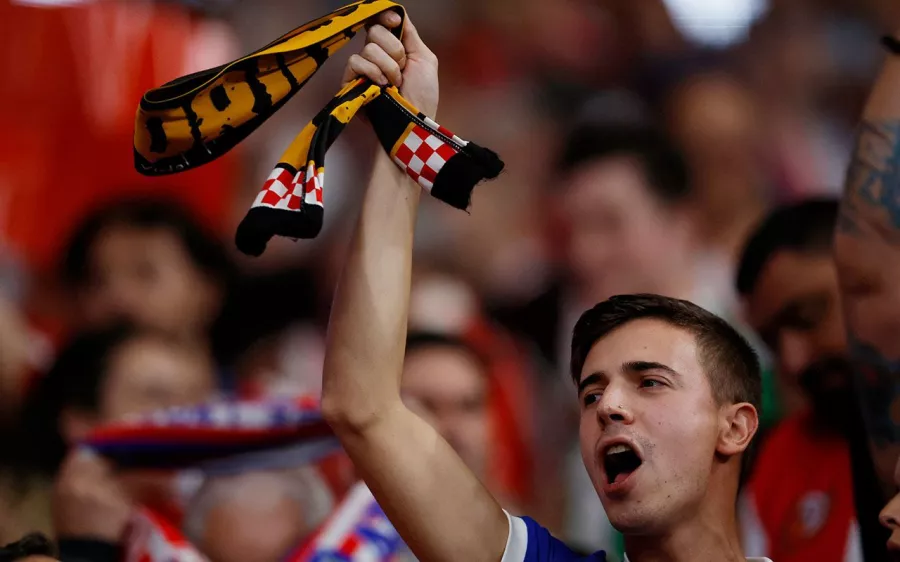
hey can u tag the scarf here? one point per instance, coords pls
(233, 437)
(197, 118)
(239, 435)
(358, 530)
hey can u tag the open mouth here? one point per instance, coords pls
(619, 461)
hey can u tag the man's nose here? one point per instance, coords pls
(890, 518)
(613, 407)
(794, 354)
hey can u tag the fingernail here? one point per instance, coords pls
(382, 80)
(394, 18)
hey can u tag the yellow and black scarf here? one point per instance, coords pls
(197, 118)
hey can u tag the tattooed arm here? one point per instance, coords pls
(867, 252)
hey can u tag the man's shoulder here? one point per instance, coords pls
(529, 542)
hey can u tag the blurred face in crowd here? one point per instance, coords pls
(146, 276)
(795, 308)
(656, 444)
(145, 374)
(621, 237)
(254, 517)
(448, 387)
(151, 374)
(714, 120)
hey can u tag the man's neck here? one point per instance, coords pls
(710, 537)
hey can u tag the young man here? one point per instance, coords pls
(668, 392)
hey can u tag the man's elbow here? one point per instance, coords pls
(348, 415)
(340, 416)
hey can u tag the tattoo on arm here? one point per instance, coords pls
(872, 189)
(870, 213)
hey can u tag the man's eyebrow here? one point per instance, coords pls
(644, 366)
(589, 380)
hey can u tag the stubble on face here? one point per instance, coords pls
(669, 414)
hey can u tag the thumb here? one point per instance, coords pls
(411, 40)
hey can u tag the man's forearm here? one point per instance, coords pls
(363, 366)
(436, 503)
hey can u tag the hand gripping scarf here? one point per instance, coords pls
(197, 118)
(234, 437)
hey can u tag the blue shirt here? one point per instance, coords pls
(529, 542)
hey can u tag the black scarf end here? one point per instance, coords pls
(262, 223)
(459, 176)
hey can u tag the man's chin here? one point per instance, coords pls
(632, 520)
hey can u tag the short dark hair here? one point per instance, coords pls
(662, 163)
(146, 213)
(33, 544)
(729, 361)
(806, 227)
(74, 381)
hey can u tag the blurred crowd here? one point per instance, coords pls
(644, 142)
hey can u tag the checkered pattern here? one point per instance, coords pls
(422, 155)
(314, 184)
(284, 191)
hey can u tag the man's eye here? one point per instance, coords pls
(650, 383)
(591, 398)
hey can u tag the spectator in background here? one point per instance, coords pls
(257, 516)
(107, 375)
(445, 381)
(471, 380)
(712, 115)
(618, 201)
(148, 262)
(99, 377)
(799, 502)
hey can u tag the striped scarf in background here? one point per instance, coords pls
(231, 438)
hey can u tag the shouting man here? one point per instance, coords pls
(668, 392)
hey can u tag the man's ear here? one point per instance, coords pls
(75, 425)
(738, 425)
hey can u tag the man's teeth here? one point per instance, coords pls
(615, 449)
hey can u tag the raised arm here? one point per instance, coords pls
(867, 251)
(439, 507)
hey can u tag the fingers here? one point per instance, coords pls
(382, 59)
(379, 35)
(385, 63)
(358, 66)
(389, 19)
(413, 44)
